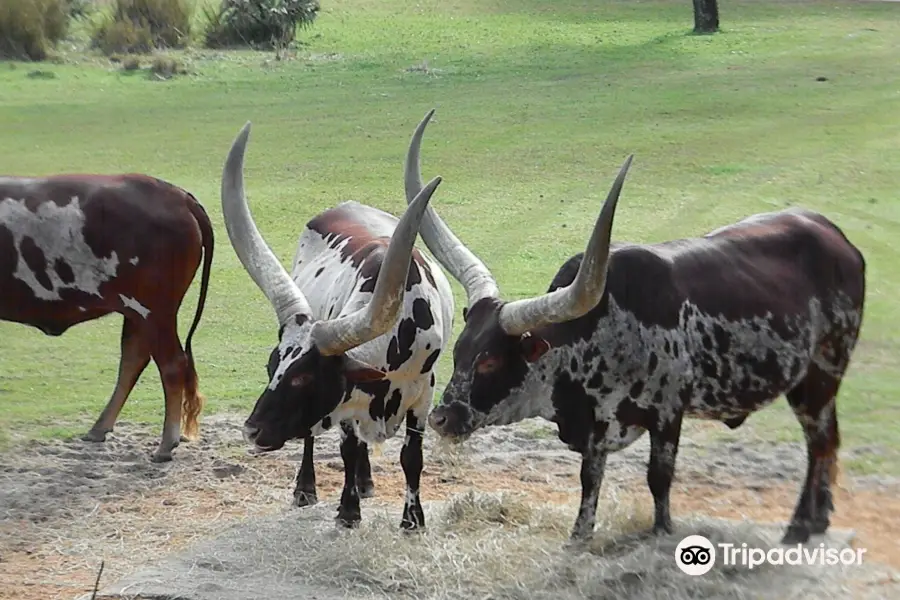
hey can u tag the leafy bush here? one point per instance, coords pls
(30, 28)
(258, 23)
(142, 25)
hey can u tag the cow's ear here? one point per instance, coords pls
(364, 375)
(357, 371)
(533, 347)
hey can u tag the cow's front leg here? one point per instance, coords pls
(364, 484)
(305, 489)
(661, 471)
(411, 460)
(348, 512)
(593, 463)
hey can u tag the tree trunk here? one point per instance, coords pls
(706, 16)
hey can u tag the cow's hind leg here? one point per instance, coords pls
(813, 401)
(661, 471)
(349, 514)
(305, 488)
(134, 359)
(173, 367)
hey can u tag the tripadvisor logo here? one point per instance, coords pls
(696, 555)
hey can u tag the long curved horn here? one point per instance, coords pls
(465, 267)
(250, 247)
(379, 315)
(585, 291)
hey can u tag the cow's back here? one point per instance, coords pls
(68, 243)
(770, 262)
(733, 318)
(339, 254)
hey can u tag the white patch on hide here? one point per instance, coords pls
(134, 260)
(134, 305)
(58, 231)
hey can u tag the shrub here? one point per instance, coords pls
(30, 28)
(132, 63)
(113, 37)
(79, 9)
(142, 25)
(258, 23)
(166, 68)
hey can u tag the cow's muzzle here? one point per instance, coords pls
(453, 421)
(252, 435)
(251, 432)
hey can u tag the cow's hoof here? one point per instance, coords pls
(660, 529)
(796, 534)
(580, 536)
(95, 435)
(408, 526)
(302, 499)
(366, 490)
(413, 519)
(161, 456)
(820, 526)
(348, 521)
(576, 545)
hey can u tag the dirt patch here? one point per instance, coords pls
(67, 505)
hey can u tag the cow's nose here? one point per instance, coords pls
(438, 419)
(250, 433)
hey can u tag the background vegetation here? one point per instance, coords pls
(30, 28)
(795, 103)
(143, 25)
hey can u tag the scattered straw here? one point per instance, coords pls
(478, 545)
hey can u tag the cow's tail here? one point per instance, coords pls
(192, 402)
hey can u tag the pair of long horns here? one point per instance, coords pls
(517, 317)
(333, 336)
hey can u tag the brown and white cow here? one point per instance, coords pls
(362, 318)
(630, 338)
(74, 248)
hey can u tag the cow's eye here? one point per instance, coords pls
(301, 380)
(488, 365)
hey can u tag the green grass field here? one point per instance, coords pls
(537, 105)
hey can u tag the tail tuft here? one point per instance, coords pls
(191, 404)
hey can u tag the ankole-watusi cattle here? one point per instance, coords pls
(362, 320)
(74, 248)
(631, 338)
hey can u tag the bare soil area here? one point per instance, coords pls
(67, 505)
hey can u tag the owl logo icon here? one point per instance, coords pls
(695, 555)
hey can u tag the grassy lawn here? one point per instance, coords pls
(794, 103)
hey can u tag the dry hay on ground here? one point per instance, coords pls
(497, 546)
(67, 505)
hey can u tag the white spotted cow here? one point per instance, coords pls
(362, 320)
(74, 248)
(631, 338)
